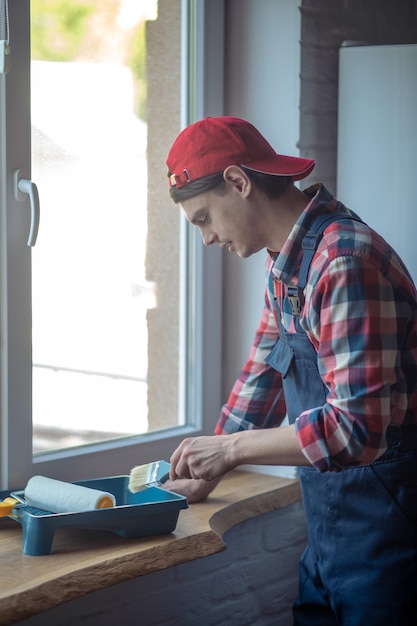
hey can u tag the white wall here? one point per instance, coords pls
(262, 84)
(377, 141)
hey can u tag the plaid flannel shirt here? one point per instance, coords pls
(360, 313)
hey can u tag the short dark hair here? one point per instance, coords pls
(201, 185)
(271, 184)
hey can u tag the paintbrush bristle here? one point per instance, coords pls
(143, 475)
(137, 478)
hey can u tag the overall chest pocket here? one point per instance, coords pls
(281, 357)
(302, 384)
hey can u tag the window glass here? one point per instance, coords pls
(97, 270)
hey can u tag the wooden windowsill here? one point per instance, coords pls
(83, 561)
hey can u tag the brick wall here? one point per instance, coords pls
(254, 581)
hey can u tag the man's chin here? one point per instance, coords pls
(244, 254)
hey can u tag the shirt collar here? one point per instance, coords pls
(287, 261)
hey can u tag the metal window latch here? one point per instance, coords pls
(22, 188)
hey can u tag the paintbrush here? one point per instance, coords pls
(149, 475)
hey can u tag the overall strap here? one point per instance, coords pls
(295, 295)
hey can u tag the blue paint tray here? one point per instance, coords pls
(152, 511)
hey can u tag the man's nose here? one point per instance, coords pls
(208, 238)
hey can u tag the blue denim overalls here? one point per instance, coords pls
(360, 564)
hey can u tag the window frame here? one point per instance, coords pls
(202, 94)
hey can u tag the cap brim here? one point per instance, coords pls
(281, 165)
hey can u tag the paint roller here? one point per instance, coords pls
(57, 496)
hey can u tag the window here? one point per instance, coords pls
(103, 354)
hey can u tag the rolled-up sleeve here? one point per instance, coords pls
(359, 319)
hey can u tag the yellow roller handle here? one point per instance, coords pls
(7, 506)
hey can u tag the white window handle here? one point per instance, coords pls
(23, 186)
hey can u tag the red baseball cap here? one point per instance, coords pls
(212, 144)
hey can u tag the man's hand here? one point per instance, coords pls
(193, 490)
(203, 457)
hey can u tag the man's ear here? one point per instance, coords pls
(237, 177)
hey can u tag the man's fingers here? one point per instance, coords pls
(178, 468)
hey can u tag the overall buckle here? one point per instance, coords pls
(295, 297)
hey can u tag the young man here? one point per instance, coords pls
(336, 350)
